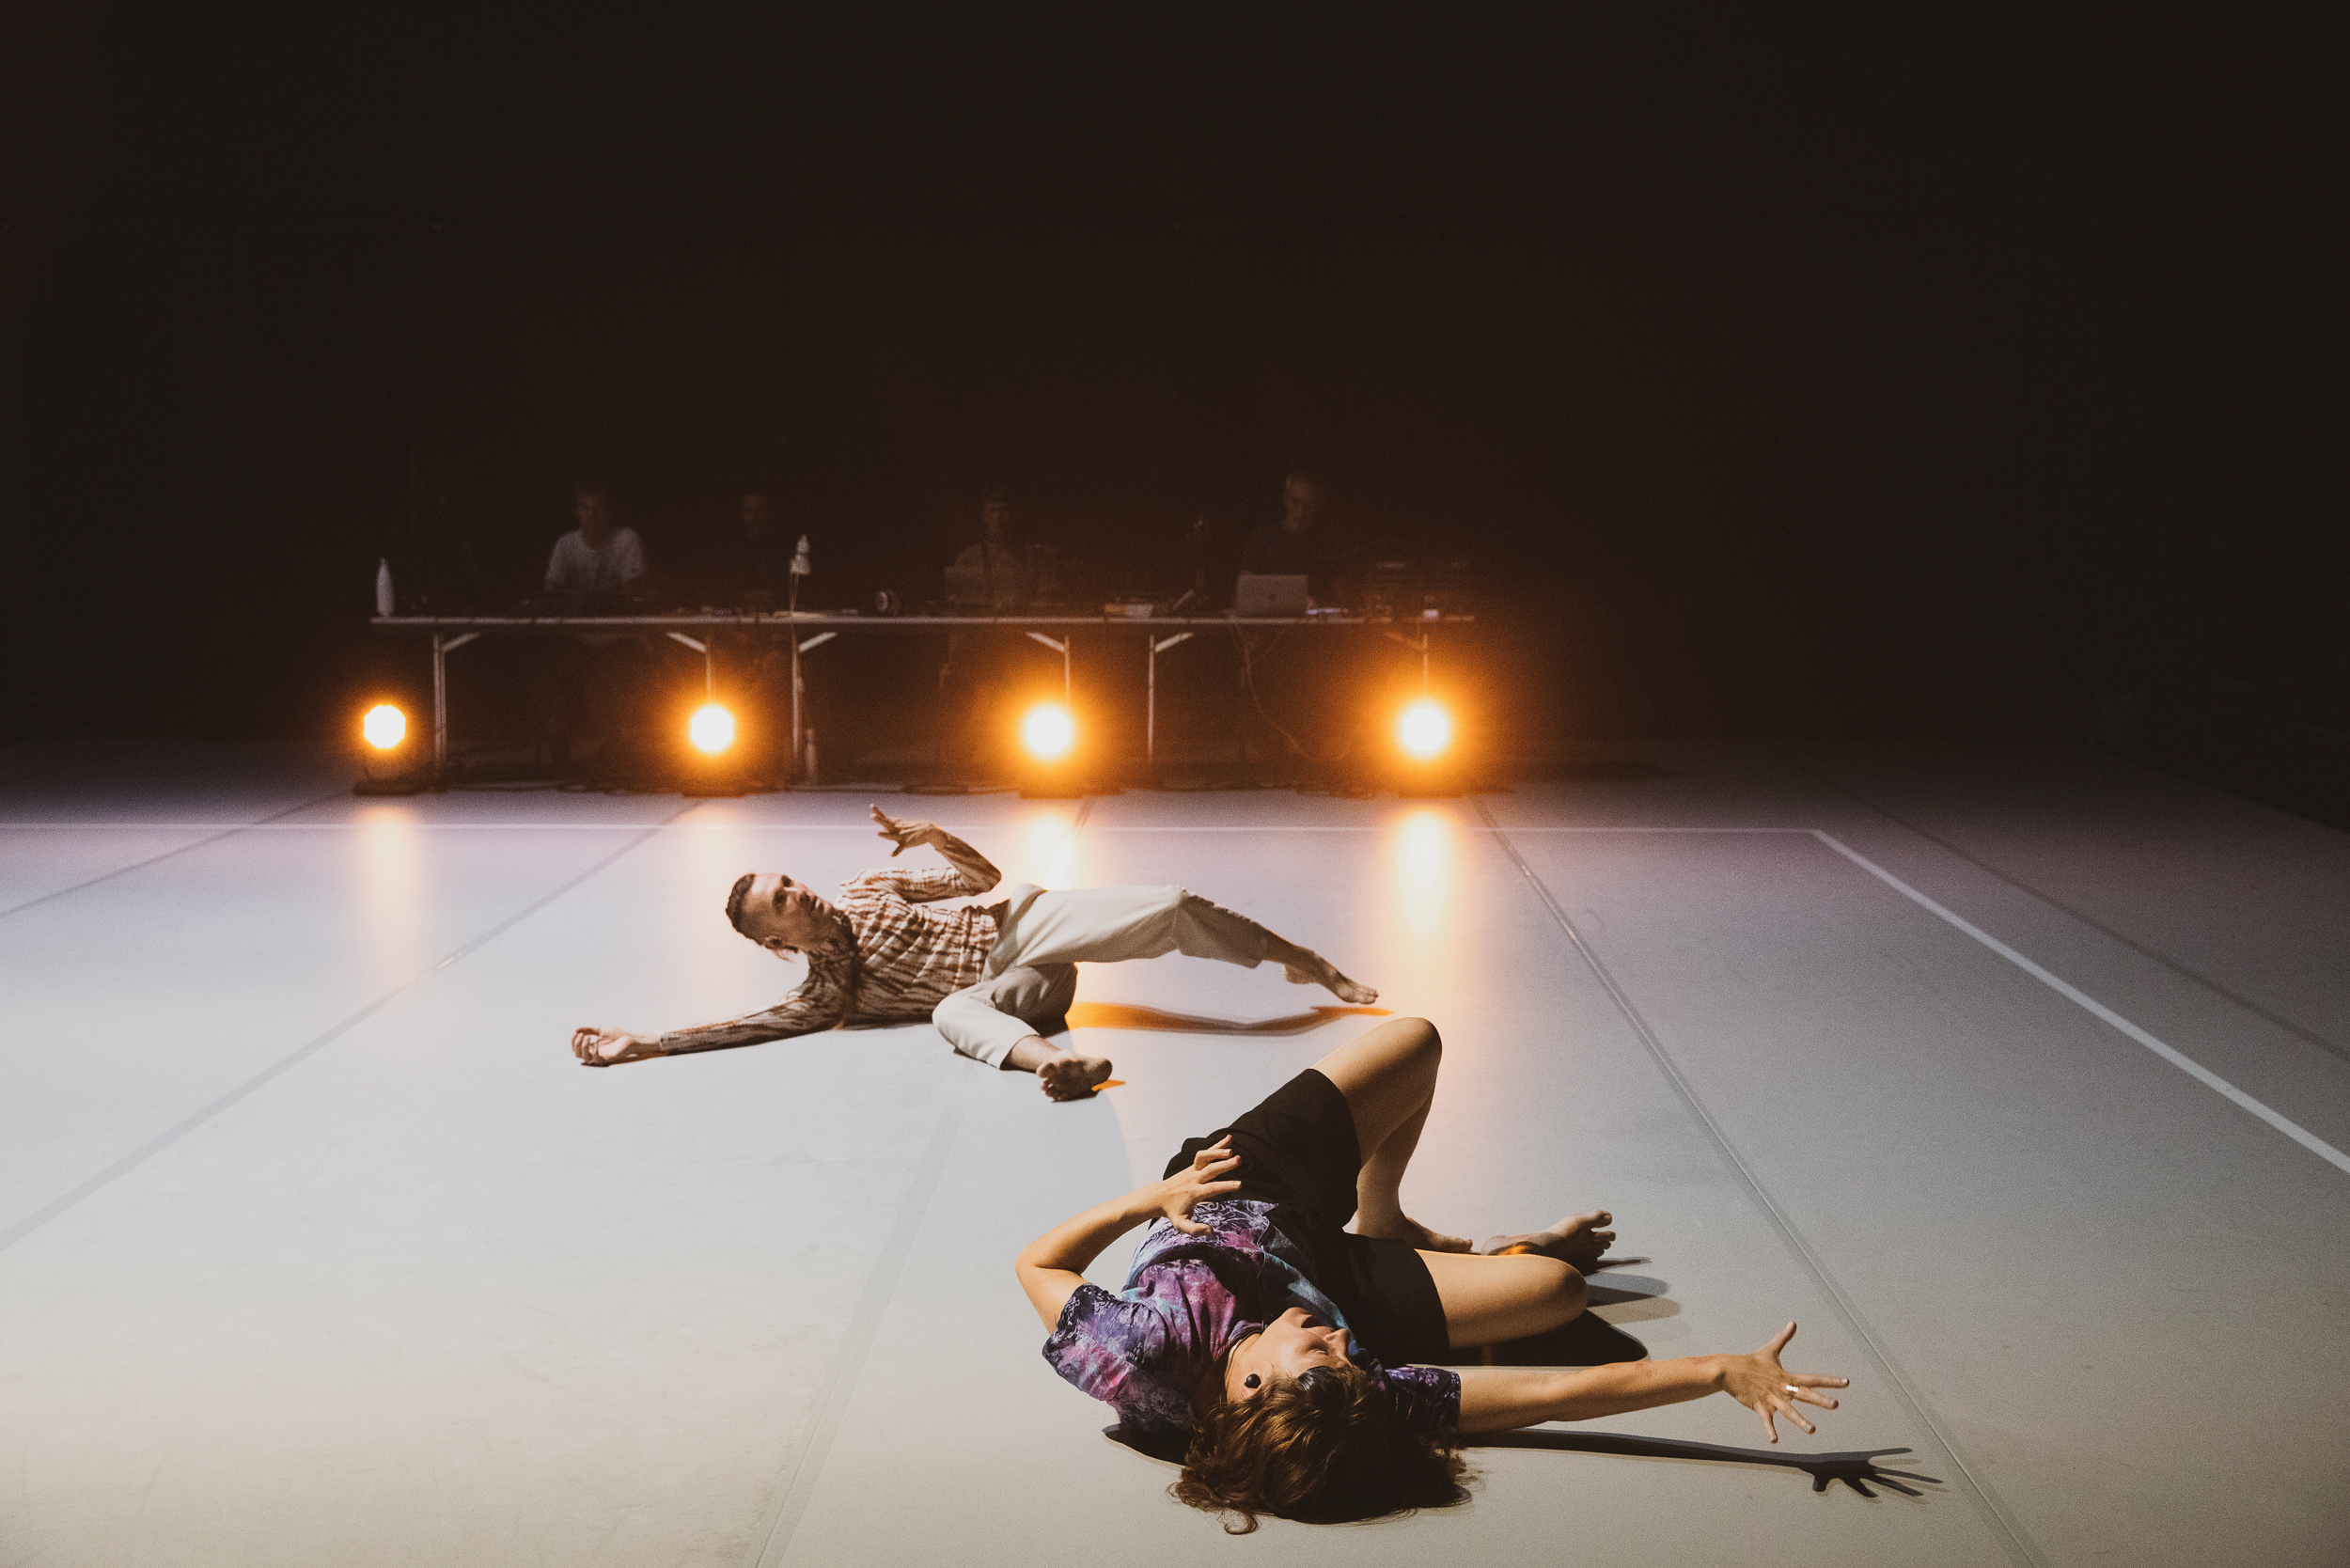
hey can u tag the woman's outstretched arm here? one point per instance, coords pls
(1052, 1266)
(1495, 1399)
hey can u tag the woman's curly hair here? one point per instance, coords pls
(1328, 1447)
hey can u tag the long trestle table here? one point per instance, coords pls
(807, 629)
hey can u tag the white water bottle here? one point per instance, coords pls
(384, 586)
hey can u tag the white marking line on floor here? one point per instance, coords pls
(2193, 1069)
(1847, 1312)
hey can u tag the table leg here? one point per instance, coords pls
(1150, 700)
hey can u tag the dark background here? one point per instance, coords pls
(1859, 374)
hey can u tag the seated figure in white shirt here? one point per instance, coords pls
(598, 556)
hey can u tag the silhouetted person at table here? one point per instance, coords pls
(987, 671)
(1292, 548)
(1301, 703)
(753, 558)
(1004, 579)
(593, 682)
(751, 569)
(599, 556)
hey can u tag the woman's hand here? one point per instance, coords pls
(1763, 1386)
(1052, 1268)
(1176, 1195)
(905, 836)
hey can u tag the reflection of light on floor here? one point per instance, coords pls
(391, 886)
(1423, 866)
(708, 857)
(1052, 844)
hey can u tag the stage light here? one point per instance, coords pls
(386, 768)
(384, 727)
(1424, 731)
(1047, 733)
(711, 729)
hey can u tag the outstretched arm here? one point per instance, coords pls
(1493, 1399)
(972, 874)
(816, 1004)
(1052, 1266)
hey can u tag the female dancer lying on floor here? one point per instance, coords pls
(1279, 1342)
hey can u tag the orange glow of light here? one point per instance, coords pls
(1424, 729)
(711, 729)
(384, 727)
(1048, 732)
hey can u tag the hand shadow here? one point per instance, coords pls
(1857, 1470)
(1129, 1015)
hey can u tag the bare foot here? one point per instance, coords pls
(1576, 1241)
(1325, 974)
(1073, 1077)
(1404, 1228)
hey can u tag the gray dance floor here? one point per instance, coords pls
(2019, 1077)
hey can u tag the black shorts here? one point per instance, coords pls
(1297, 1152)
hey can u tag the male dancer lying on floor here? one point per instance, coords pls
(993, 979)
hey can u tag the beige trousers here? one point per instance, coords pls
(1031, 975)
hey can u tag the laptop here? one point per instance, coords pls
(1263, 594)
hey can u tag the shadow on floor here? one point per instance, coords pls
(1125, 1015)
(1586, 1341)
(1857, 1470)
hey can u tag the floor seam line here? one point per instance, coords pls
(832, 1403)
(229, 832)
(2297, 1030)
(2098, 1009)
(172, 1134)
(1986, 1500)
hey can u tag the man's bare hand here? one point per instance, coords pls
(602, 1047)
(904, 834)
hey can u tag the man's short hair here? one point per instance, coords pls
(996, 496)
(591, 487)
(736, 896)
(1304, 476)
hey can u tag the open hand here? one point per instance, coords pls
(1206, 1178)
(905, 836)
(602, 1047)
(1763, 1386)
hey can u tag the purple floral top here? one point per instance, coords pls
(1189, 1299)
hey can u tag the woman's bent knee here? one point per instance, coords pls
(1560, 1295)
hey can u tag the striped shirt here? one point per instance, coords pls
(897, 961)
